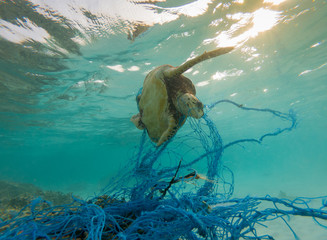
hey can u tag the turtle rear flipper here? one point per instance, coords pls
(170, 131)
(136, 119)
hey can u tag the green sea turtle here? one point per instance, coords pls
(168, 98)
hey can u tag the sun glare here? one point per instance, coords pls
(259, 21)
(274, 2)
(263, 20)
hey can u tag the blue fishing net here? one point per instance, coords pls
(180, 190)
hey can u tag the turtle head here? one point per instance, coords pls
(190, 106)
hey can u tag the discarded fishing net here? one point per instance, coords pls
(162, 195)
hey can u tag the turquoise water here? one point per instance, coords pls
(70, 73)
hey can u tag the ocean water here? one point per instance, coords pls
(70, 71)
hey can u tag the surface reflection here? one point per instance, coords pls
(245, 26)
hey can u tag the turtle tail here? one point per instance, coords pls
(187, 65)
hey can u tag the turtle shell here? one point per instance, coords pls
(158, 99)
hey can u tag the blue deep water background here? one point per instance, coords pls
(69, 76)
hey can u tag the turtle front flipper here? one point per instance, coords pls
(172, 72)
(170, 131)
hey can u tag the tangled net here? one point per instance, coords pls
(162, 195)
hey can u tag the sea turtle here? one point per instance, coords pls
(168, 98)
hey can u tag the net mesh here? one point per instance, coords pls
(180, 190)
